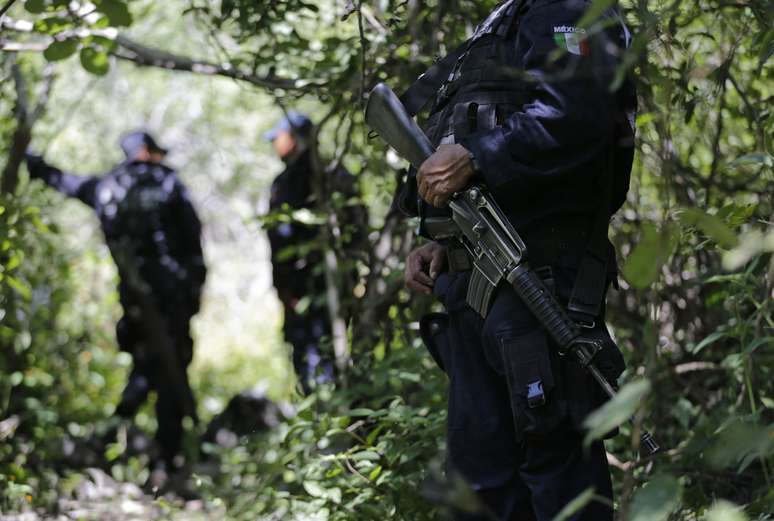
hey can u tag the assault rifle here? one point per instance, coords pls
(498, 253)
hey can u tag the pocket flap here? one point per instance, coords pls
(527, 358)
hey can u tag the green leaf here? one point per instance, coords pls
(375, 473)
(61, 49)
(373, 434)
(654, 249)
(767, 48)
(52, 25)
(711, 226)
(574, 506)
(361, 412)
(725, 511)
(367, 455)
(21, 288)
(114, 450)
(334, 494)
(757, 158)
(751, 244)
(755, 344)
(616, 411)
(656, 500)
(94, 61)
(714, 337)
(117, 12)
(594, 12)
(35, 6)
(740, 444)
(314, 489)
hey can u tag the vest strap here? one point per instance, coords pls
(588, 292)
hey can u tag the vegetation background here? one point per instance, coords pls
(693, 317)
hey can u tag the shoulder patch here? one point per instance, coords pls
(572, 39)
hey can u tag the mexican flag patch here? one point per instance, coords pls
(572, 39)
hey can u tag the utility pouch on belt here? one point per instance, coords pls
(531, 382)
(432, 329)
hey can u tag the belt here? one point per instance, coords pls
(545, 243)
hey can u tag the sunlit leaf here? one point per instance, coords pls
(52, 24)
(314, 489)
(22, 288)
(375, 473)
(752, 243)
(711, 226)
(758, 158)
(651, 252)
(367, 455)
(94, 61)
(725, 511)
(616, 411)
(361, 412)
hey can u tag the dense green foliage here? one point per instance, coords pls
(694, 316)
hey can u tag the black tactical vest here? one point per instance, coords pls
(477, 87)
(134, 204)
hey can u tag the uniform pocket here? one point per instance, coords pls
(529, 371)
(433, 328)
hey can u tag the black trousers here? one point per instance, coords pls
(305, 332)
(525, 462)
(148, 372)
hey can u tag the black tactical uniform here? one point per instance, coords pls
(298, 271)
(153, 234)
(529, 96)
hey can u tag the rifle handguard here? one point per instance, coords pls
(543, 305)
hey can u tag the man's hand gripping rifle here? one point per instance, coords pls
(497, 251)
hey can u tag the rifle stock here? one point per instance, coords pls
(386, 114)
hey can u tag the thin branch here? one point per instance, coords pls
(143, 55)
(22, 47)
(148, 56)
(21, 136)
(6, 7)
(363, 50)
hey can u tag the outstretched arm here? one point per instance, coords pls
(190, 229)
(82, 187)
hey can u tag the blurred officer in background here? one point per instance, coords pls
(153, 233)
(297, 248)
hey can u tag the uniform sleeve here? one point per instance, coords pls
(282, 235)
(568, 118)
(190, 229)
(80, 187)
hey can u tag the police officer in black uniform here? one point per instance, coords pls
(153, 233)
(296, 247)
(526, 108)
